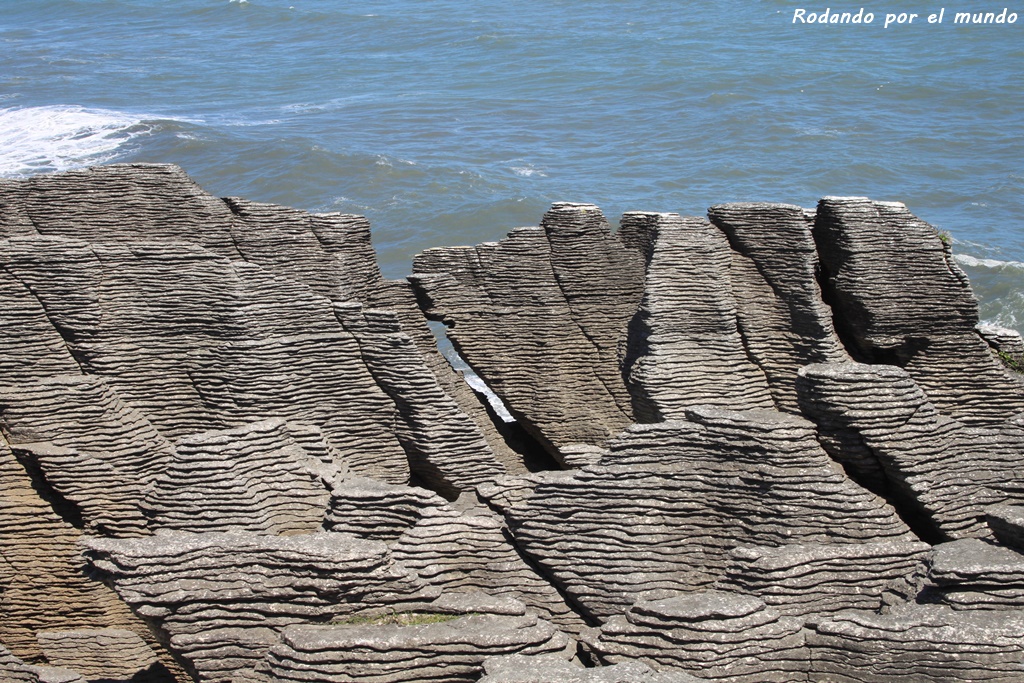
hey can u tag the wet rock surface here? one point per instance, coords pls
(231, 452)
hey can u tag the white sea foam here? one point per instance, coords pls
(994, 264)
(528, 171)
(62, 137)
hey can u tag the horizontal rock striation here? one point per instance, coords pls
(822, 578)
(783, 320)
(255, 478)
(117, 203)
(281, 478)
(973, 574)
(555, 669)
(221, 599)
(902, 300)
(919, 643)
(469, 551)
(685, 346)
(42, 583)
(711, 634)
(1007, 523)
(30, 346)
(452, 651)
(877, 421)
(14, 670)
(102, 655)
(444, 446)
(532, 318)
(241, 272)
(375, 510)
(668, 503)
(96, 452)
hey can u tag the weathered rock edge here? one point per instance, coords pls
(240, 413)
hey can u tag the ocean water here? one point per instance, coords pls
(450, 123)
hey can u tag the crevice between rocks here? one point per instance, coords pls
(61, 332)
(535, 457)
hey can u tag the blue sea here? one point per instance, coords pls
(452, 122)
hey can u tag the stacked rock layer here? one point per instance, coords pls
(230, 451)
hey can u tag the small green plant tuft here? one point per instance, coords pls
(397, 619)
(1015, 363)
(946, 238)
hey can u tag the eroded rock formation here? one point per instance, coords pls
(231, 452)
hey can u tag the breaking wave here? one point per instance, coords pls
(63, 137)
(999, 286)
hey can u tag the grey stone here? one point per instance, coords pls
(879, 423)
(539, 316)
(710, 634)
(685, 346)
(221, 599)
(902, 300)
(1007, 523)
(453, 651)
(555, 669)
(919, 643)
(669, 502)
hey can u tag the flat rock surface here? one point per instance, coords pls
(711, 634)
(222, 598)
(920, 642)
(452, 650)
(555, 669)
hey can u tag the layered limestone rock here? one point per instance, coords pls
(303, 395)
(14, 670)
(878, 422)
(30, 346)
(452, 651)
(784, 322)
(900, 299)
(1007, 523)
(102, 654)
(668, 503)
(129, 264)
(255, 478)
(973, 574)
(445, 447)
(711, 634)
(42, 584)
(97, 453)
(539, 316)
(820, 578)
(221, 599)
(555, 669)
(468, 551)
(685, 346)
(117, 203)
(372, 509)
(918, 643)
(1005, 342)
(198, 342)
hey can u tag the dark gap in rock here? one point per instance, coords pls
(232, 205)
(417, 481)
(580, 611)
(906, 508)
(64, 508)
(839, 323)
(535, 457)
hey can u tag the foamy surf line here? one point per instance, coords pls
(994, 264)
(64, 137)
